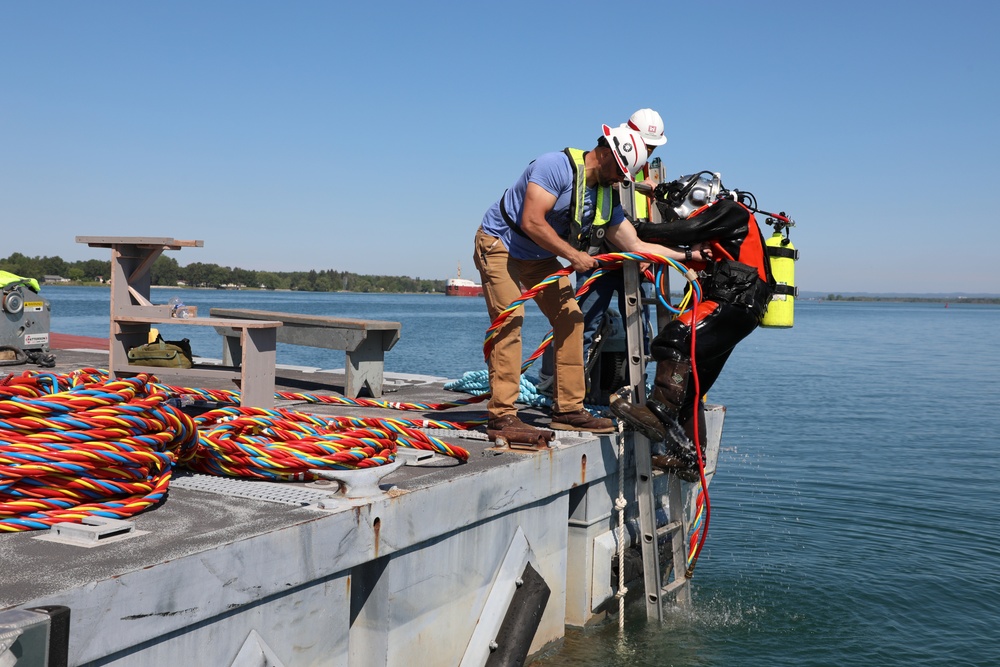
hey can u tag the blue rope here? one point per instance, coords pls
(477, 383)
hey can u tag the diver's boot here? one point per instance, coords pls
(676, 466)
(681, 457)
(660, 412)
(688, 444)
(638, 417)
(669, 392)
(670, 386)
(673, 457)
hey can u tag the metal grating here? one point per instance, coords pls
(448, 433)
(285, 494)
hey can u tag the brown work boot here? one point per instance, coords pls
(581, 420)
(670, 386)
(497, 424)
(508, 430)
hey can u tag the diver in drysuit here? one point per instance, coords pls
(736, 288)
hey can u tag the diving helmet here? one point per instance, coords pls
(679, 198)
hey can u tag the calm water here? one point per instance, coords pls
(440, 336)
(854, 516)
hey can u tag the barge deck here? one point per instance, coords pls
(423, 570)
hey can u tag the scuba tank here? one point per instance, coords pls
(681, 198)
(780, 313)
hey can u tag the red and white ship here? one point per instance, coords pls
(461, 287)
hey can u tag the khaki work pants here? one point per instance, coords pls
(502, 276)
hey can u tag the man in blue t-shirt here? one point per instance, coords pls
(519, 243)
(595, 303)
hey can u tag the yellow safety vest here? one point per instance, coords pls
(8, 278)
(592, 241)
(641, 201)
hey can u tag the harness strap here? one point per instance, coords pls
(603, 206)
(509, 220)
(787, 290)
(778, 251)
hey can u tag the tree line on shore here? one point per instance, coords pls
(166, 271)
(915, 299)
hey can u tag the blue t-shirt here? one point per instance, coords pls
(554, 173)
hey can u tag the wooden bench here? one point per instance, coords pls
(364, 341)
(255, 370)
(132, 313)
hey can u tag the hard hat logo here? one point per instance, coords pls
(625, 147)
(653, 134)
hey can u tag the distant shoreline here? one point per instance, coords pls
(909, 299)
(223, 289)
(831, 297)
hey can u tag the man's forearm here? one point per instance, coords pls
(546, 238)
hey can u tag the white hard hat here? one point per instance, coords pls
(648, 123)
(628, 148)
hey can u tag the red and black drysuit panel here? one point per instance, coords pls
(736, 287)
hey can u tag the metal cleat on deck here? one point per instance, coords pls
(360, 483)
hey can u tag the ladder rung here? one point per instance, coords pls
(668, 528)
(674, 585)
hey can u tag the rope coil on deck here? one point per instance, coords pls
(79, 445)
(284, 445)
(69, 450)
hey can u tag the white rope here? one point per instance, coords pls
(620, 505)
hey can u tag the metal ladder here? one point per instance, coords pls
(675, 528)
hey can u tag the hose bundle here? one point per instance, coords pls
(104, 449)
(283, 445)
(79, 445)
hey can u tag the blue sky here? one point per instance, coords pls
(371, 137)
